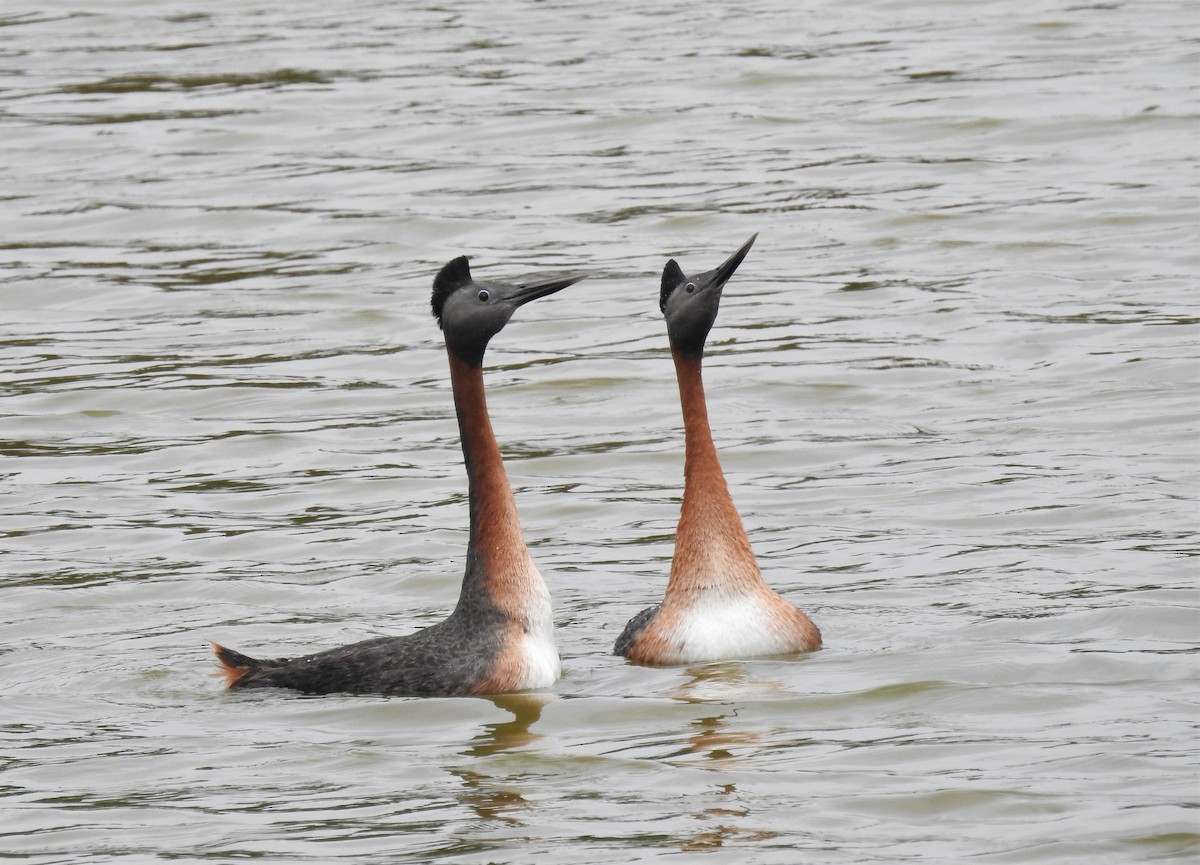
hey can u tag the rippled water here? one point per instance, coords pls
(955, 386)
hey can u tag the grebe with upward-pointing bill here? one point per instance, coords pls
(500, 636)
(717, 605)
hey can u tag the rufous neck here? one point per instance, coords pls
(710, 542)
(496, 540)
(701, 468)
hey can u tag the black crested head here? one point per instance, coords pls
(690, 304)
(470, 313)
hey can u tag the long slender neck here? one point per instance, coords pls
(711, 547)
(496, 553)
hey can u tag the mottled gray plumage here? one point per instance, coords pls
(634, 628)
(442, 659)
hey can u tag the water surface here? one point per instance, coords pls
(954, 386)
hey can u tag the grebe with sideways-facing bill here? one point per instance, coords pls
(500, 636)
(717, 605)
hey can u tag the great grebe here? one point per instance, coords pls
(500, 636)
(717, 604)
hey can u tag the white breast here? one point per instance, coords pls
(538, 651)
(542, 666)
(742, 626)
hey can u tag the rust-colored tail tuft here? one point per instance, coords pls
(234, 665)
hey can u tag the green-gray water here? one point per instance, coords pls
(954, 386)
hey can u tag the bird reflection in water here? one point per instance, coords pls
(725, 682)
(505, 735)
(492, 797)
(711, 736)
(722, 749)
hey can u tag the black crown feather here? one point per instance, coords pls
(450, 279)
(672, 276)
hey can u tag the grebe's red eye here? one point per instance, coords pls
(690, 287)
(483, 294)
